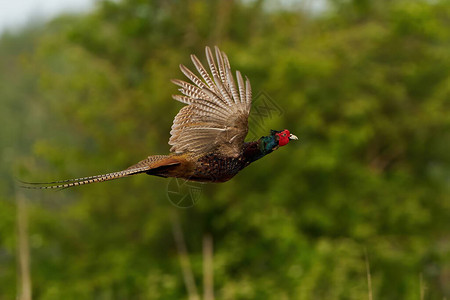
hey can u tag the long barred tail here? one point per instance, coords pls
(62, 184)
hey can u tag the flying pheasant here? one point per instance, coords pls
(207, 135)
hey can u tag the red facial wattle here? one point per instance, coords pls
(283, 137)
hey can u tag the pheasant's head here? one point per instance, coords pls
(283, 137)
(276, 139)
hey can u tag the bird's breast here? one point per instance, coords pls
(217, 168)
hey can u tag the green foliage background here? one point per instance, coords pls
(364, 84)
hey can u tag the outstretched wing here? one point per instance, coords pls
(216, 118)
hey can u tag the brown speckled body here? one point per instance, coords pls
(217, 168)
(210, 167)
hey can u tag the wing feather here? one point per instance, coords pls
(211, 63)
(230, 80)
(241, 87)
(202, 71)
(248, 93)
(189, 74)
(216, 115)
(220, 64)
(209, 107)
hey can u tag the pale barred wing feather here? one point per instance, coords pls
(216, 117)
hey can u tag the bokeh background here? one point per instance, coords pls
(358, 208)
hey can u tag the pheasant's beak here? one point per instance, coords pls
(293, 137)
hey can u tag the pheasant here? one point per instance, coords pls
(207, 135)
